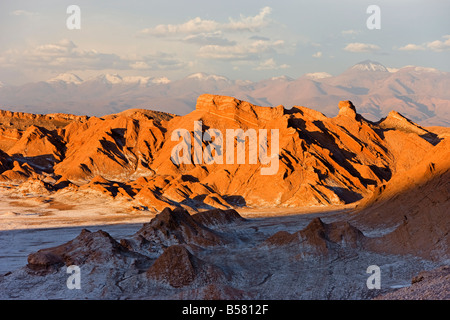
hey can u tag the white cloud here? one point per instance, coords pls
(65, 55)
(411, 47)
(64, 46)
(198, 25)
(256, 37)
(216, 38)
(226, 40)
(318, 54)
(350, 32)
(23, 13)
(140, 65)
(436, 45)
(240, 51)
(270, 64)
(361, 47)
(439, 45)
(251, 24)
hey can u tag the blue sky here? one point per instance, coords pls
(244, 39)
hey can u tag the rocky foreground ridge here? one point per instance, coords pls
(217, 254)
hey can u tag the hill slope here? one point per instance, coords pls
(318, 160)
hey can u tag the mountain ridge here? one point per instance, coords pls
(321, 160)
(417, 92)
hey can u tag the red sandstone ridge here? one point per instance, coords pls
(346, 108)
(415, 203)
(321, 160)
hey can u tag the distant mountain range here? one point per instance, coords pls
(421, 94)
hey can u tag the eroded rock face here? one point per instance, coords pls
(415, 204)
(237, 109)
(218, 217)
(344, 234)
(89, 247)
(179, 267)
(347, 108)
(22, 120)
(172, 264)
(176, 227)
(319, 238)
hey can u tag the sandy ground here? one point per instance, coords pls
(267, 273)
(69, 209)
(31, 221)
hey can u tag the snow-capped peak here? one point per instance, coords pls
(204, 76)
(110, 78)
(283, 78)
(369, 65)
(198, 75)
(127, 80)
(160, 80)
(67, 78)
(392, 70)
(240, 82)
(143, 81)
(135, 79)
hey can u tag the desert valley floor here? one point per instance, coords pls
(245, 266)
